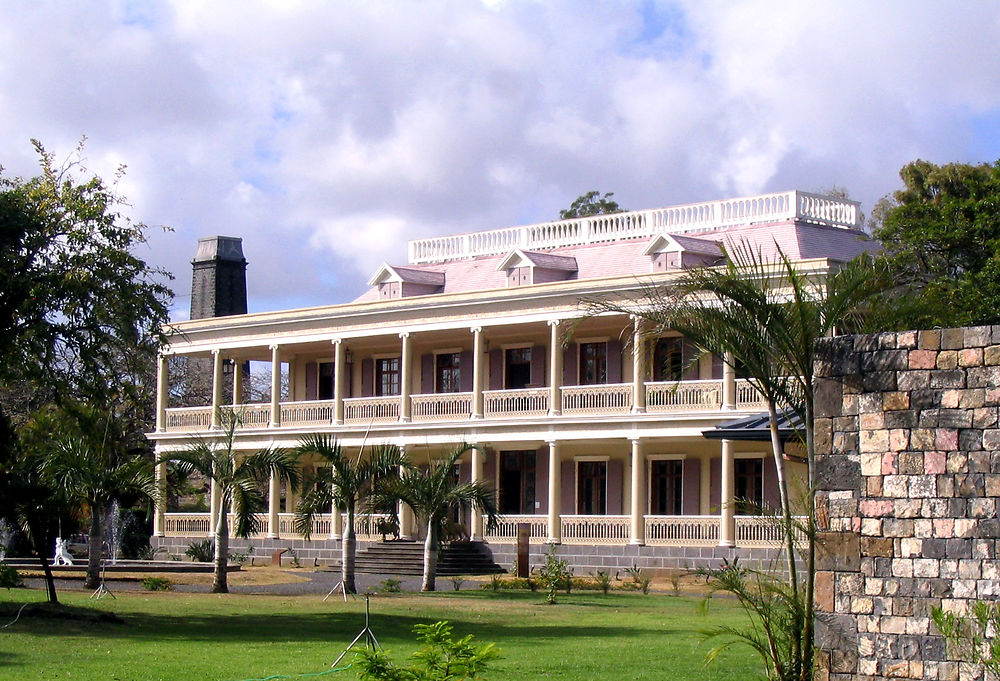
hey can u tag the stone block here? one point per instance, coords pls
(934, 462)
(983, 377)
(874, 440)
(970, 439)
(925, 398)
(922, 439)
(970, 357)
(957, 462)
(828, 395)
(929, 340)
(954, 418)
(892, 527)
(905, 418)
(946, 439)
(952, 339)
(922, 359)
(871, 421)
(947, 359)
(907, 508)
(985, 417)
(948, 378)
(976, 336)
(906, 339)
(838, 473)
(911, 463)
(979, 462)
(824, 591)
(991, 355)
(882, 360)
(839, 551)
(876, 546)
(881, 381)
(922, 486)
(895, 486)
(933, 548)
(972, 398)
(925, 567)
(913, 380)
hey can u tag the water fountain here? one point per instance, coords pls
(113, 531)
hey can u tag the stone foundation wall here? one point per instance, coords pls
(583, 559)
(908, 472)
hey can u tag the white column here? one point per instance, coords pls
(476, 532)
(214, 504)
(638, 369)
(217, 388)
(275, 386)
(339, 356)
(555, 494)
(555, 369)
(638, 534)
(727, 524)
(162, 392)
(477, 373)
(159, 511)
(728, 383)
(273, 501)
(237, 383)
(405, 373)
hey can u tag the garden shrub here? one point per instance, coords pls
(442, 658)
(201, 551)
(157, 584)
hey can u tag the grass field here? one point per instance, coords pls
(174, 636)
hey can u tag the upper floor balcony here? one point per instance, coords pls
(660, 397)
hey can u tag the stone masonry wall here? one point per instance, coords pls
(908, 472)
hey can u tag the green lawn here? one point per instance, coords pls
(230, 638)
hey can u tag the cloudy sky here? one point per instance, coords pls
(327, 134)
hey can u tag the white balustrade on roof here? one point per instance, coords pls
(685, 219)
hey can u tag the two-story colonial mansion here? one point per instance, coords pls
(590, 434)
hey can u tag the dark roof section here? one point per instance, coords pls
(756, 428)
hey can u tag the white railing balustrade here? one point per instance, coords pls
(306, 413)
(747, 397)
(683, 396)
(366, 525)
(189, 418)
(595, 529)
(615, 398)
(754, 530)
(371, 409)
(441, 406)
(682, 530)
(689, 218)
(186, 524)
(506, 529)
(512, 403)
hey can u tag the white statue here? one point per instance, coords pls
(62, 555)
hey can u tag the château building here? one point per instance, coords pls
(591, 435)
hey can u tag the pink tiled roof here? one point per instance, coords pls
(798, 241)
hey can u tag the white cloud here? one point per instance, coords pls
(327, 135)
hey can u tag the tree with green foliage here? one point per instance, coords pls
(240, 480)
(591, 203)
(941, 232)
(433, 492)
(765, 317)
(343, 484)
(80, 320)
(92, 472)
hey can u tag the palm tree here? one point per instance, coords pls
(239, 481)
(766, 317)
(432, 493)
(343, 483)
(95, 476)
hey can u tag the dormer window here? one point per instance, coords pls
(403, 282)
(530, 267)
(674, 251)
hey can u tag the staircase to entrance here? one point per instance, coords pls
(407, 558)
